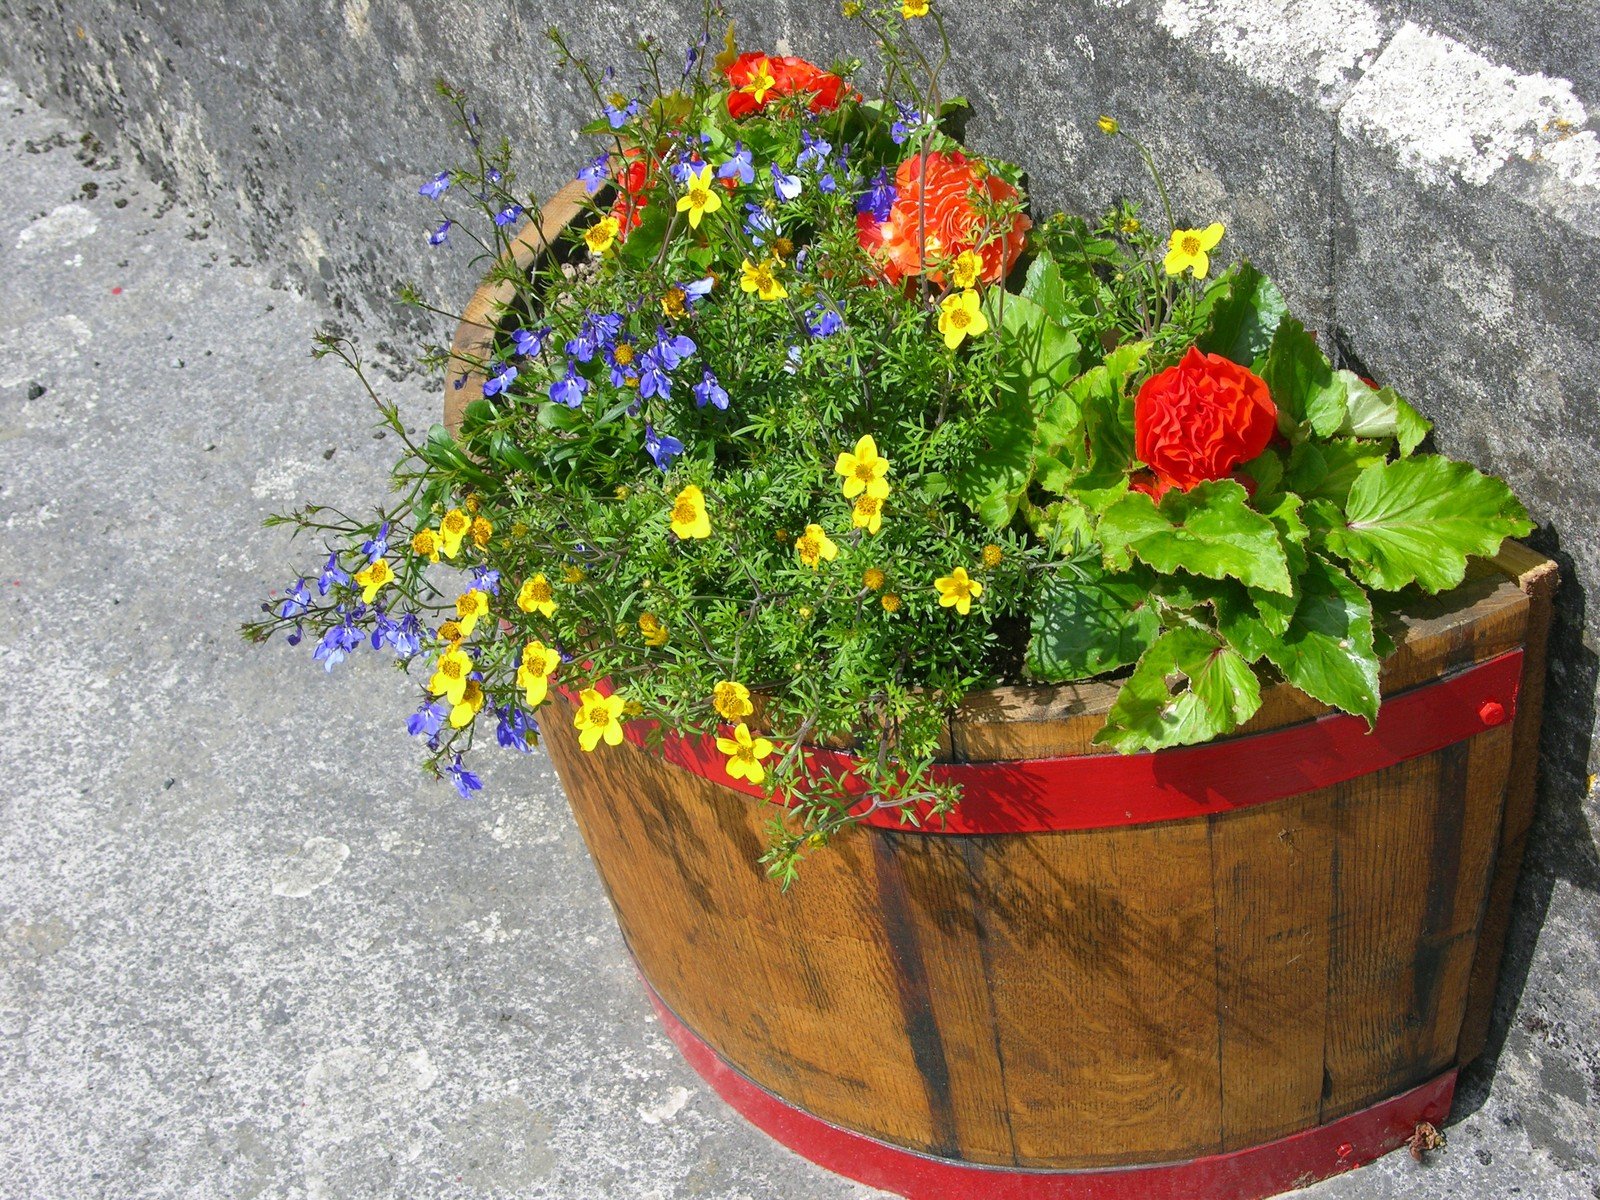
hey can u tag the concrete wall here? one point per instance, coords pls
(1422, 177)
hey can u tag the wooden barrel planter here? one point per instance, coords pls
(1210, 973)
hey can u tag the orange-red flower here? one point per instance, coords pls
(935, 218)
(755, 80)
(1199, 420)
(633, 185)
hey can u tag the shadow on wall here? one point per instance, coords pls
(1561, 846)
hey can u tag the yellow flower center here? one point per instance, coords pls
(454, 522)
(864, 471)
(599, 716)
(890, 602)
(992, 554)
(539, 591)
(762, 278)
(450, 668)
(868, 506)
(1190, 244)
(960, 317)
(673, 302)
(683, 513)
(623, 353)
(874, 578)
(699, 197)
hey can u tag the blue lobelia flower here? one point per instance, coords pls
(516, 730)
(466, 782)
(662, 447)
(673, 348)
(759, 224)
(620, 358)
(508, 214)
(823, 320)
(694, 292)
(787, 186)
(813, 150)
(441, 235)
(909, 123)
(494, 175)
(338, 642)
(296, 599)
(376, 547)
(502, 379)
(740, 166)
(569, 390)
(828, 184)
(597, 331)
(618, 117)
(653, 378)
(594, 174)
(332, 573)
(530, 341)
(792, 366)
(435, 187)
(428, 720)
(879, 197)
(403, 636)
(486, 579)
(709, 391)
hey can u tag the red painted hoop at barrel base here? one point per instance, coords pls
(1250, 1174)
(1103, 791)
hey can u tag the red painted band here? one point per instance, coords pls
(1106, 790)
(1249, 1174)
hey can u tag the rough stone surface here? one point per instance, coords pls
(244, 949)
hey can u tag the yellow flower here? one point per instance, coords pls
(960, 317)
(1108, 126)
(967, 268)
(1129, 226)
(874, 579)
(761, 81)
(539, 662)
(674, 302)
(452, 529)
(537, 596)
(597, 718)
(468, 707)
(745, 754)
(814, 546)
(910, 9)
(471, 605)
(890, 602)
(700, 196)
(865, 470)
(471, 503)
(868, 513)
(373, 577)
(732, 700)
(957, 591)
(602, 235)
(425, 544)
(481, 531)
(850, 9)
(654, 629)
(761, 280)
(1190, 250)
(689, 518)
(992, 555)
(571, 574)
(450, 675)
(450, 632)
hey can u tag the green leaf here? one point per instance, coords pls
(1380, 413)
(1325, 470)
(1189, 687)
(993, 480)
(1327, 650)
(1045, 287)
(1042, 353)
(1101, 447)
(1246, 309)
(1419, 519)
(1086, 627)
(1210, 531)
(1302, 382)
